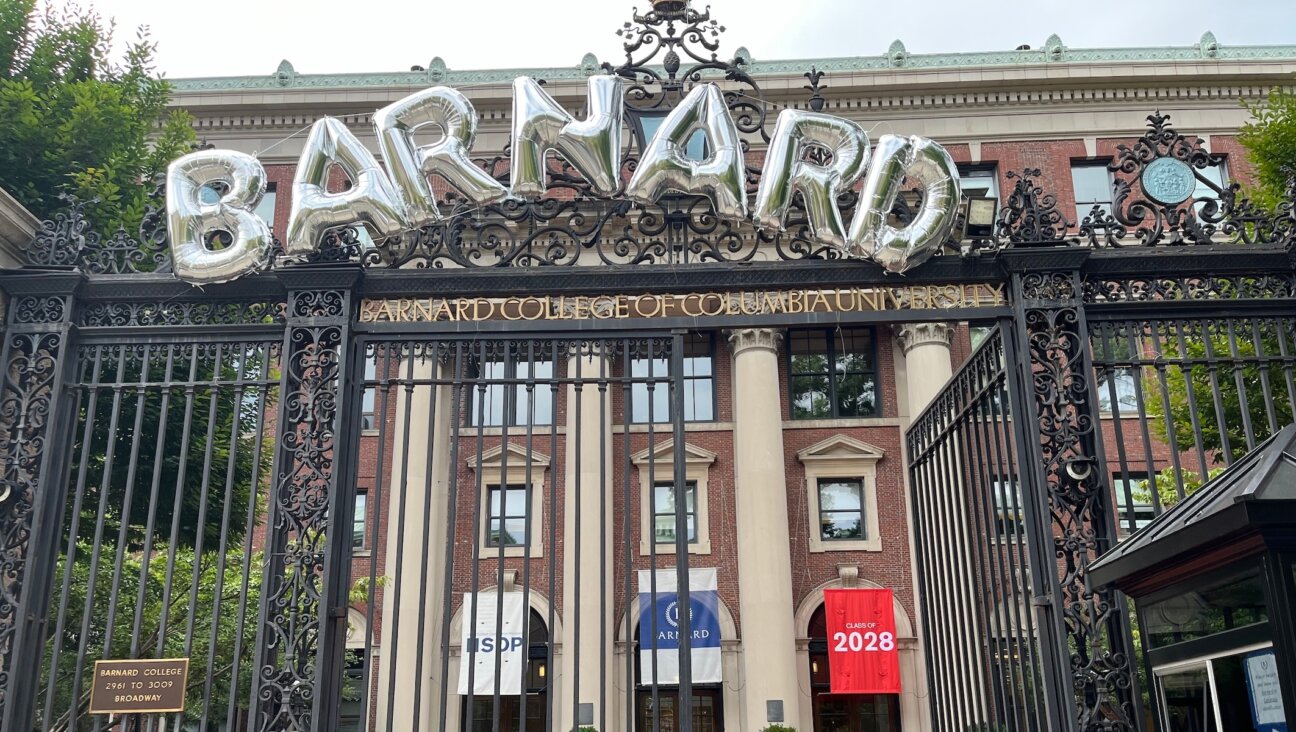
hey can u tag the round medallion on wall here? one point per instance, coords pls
(1168, 181)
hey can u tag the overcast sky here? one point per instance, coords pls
(240, 37)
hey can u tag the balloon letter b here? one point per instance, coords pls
(932, 170)
(664, 166)
(190, 221)
(787, 171)
(593, 147)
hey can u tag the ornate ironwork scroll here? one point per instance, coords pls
(1030, 216)
(299, 624)
(34, 355)
(1063, 403)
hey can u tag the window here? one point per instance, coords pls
(508, 512)
(368, 412)
(979, 181)
(1110, 350)
(1134, 508)
(1009, 508)
(841, 503)
(698, 384)
(265, 209)
(833, 373)
(492, 402)
(360, 523)
(697, 144)
(664, 511)
(1093, 187)
(1218, 175)
(657, 498)
(841, 509)
(708, 701)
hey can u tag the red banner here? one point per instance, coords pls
(862, 653)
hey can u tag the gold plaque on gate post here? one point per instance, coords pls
(139, 687)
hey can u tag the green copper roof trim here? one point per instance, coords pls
(286, 77)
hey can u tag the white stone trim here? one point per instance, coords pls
(17, 229)
(840, 456)
(491, 473)
(697, 468)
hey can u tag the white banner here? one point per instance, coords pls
(496, 638)
(662, 618)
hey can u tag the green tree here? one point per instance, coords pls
(77, 121)
(1253, 362)
(1270, 140)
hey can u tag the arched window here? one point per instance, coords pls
(536, 682)
(844, 712)
(708, 703)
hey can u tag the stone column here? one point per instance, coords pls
(926, 348)
(426, 447)
(587, 600)
(764, 559)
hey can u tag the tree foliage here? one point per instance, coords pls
(77, 121)
(1270, 140)
(1246, 372)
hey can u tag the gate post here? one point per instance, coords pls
(1062, 434)
(302, 620)
(35, 429)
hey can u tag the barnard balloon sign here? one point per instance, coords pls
(400, 198)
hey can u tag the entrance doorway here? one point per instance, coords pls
(708, 704)
(536, 680)
(844, 712)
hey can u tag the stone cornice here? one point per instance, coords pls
(1052, 54)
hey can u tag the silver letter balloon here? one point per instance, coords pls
(787, 171)
(191, 222)
(665, 167)
(593, 147)
(450, 111)
(930, 168)
(370, 200)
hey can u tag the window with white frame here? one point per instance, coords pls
(841, 509)
(658, 500)
(507, 523)
(1134, 508)
(1009, 508)
(665, 506)
(841, 495)
(1092, 182)
(506, 509)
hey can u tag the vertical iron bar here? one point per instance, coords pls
(457, 397)
(685, 717)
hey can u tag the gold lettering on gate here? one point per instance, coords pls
(691, 305)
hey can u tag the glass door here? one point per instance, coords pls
(1187, 704)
